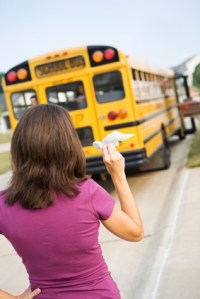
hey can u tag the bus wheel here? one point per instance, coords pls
(161, 159)
(165, 152)
(181, 133)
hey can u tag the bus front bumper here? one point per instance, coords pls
(133, 159)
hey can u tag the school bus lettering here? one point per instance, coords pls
(77, 62)
(60, 66)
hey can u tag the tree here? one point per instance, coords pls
(1, 75)
(196, 76)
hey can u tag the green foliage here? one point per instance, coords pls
(1, 75)
(5, 162)
(5, 137)
(194, 153)
(196, 76)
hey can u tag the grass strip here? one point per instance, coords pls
(194, 152)
(5, 137)
(5, 162)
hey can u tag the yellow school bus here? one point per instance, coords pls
(103, 90)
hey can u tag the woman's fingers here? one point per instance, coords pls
(111, 151)
(105, 151)
(113, 160)
(34, 293)
(108, 153)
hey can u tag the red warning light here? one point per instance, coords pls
(109, 54)
(112, 115)
(11, 76)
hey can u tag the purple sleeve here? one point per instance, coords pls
(102, 202)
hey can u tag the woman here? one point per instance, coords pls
(52, 209)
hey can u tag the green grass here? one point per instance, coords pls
(5, 137)
(5, 162)
(194, 153)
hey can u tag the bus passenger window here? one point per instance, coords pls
(21, 101)
(53, 97)
(108, 87)
(70, 96)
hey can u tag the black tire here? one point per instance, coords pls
(165, 151)
(161, 159)
(181, 134)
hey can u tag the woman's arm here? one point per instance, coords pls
(28, 294)
(126, 222)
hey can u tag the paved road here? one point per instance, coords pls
(166, 264)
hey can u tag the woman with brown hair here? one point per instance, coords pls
(52, 210)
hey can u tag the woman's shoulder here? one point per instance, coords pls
(89, 185)
(83, 185)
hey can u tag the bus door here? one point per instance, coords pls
(187, 107)
(114, 104)
(74, 95)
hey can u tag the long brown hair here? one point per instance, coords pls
(47, 157)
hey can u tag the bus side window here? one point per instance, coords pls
(136, 84)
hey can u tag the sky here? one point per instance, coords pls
(164, 33)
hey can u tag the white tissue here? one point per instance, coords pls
(112, 138)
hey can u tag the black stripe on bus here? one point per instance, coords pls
(150, 100)
(172, 121)
(138, 122)
(152, 136)
(158, 131)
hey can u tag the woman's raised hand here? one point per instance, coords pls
(113, 160)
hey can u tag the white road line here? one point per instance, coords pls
(171, 235)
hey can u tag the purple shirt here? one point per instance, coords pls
(59, 244)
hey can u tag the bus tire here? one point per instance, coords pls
(165, 151)
(161, 159)
(181, 134)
